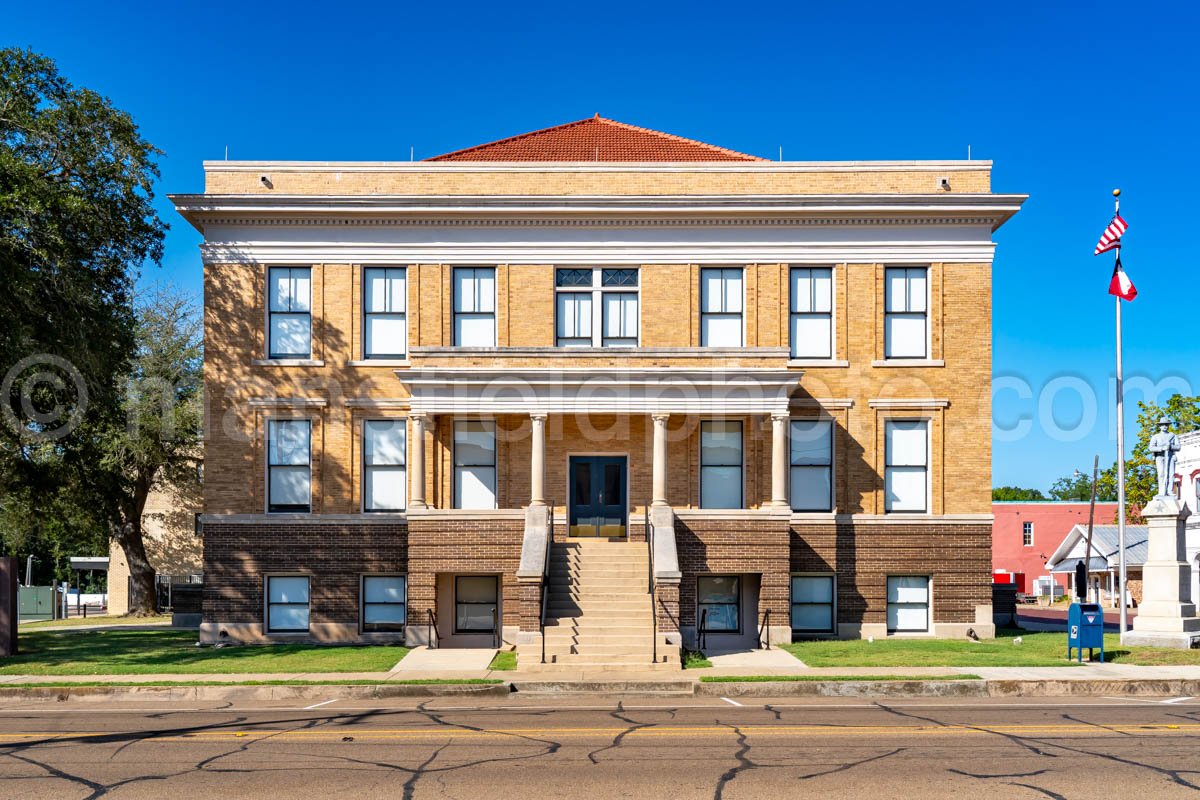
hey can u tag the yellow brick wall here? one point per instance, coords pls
(960, 316)
(431, 179)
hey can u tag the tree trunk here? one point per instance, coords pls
(143, 600)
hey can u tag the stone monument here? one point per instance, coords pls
(1167, 615)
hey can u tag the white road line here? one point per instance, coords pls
(732, 702)
(318, 705)
(1176, 700)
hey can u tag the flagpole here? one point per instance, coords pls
(1122, 593)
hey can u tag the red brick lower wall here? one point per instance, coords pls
(441, 545)
(238, 557)
(958, 557)
(734, 546)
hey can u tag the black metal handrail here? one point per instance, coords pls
(653, 599)
(495, 631)
(546, 581)
(433, 637)
(766, 626)
(703, 629)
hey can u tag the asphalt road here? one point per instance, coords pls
(627, 747)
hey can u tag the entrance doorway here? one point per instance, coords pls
(598, 496)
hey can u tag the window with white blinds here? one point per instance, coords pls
(289, 465)
(385, 317)
(721, 464)
(474, 464)
(908, 603)
(596, 307)
(474, 307)
(384, 456)
(811, 312)
(906, 312)
(906, 475)
(811, 456)
(289, 312)
(721, 303)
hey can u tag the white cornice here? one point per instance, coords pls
(907, 404)
(594, 166)
(288, 402)
(714, 353)
(587, 390)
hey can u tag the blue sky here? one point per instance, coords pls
(1068, 99)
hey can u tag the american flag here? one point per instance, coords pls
(1112, 235)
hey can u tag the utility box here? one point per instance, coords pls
(1085, 628)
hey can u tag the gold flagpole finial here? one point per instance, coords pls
(1116, 192)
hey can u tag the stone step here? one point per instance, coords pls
(618, 573)
(598, 593)
(633, 625)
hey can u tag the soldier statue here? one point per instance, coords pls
(1163, 446)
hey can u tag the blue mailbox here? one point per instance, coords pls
(1085, 628)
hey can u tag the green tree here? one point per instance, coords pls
(76, 224)
(1010, 494)
(158, 444)
(1141, 477)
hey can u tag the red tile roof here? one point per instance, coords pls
(595, 139)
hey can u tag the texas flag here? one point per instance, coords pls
(1120, 285)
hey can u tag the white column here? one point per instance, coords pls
(659, 468)
(416, 470)
(779, 460)
(537, 461)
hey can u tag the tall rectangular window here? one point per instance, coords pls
(289, 465)
(812, 604)
(385, 317)
(289, 312)
(721, 464)
(721, 307)
(474, 307)
(474, 464)
(908, 603)
(811, 317)
(476, 603)
(906, 478)
(812, 464)
(287, 604)
(1027, 534)
(718, 603)
(596, 307)
(384, 603)
(384, 476)
(906, 312)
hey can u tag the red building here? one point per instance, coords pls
(1024, 535)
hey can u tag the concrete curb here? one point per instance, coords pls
(664, 687)
(242, 694)
(966, 688)
(1135, 687)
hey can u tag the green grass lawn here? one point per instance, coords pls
(504, 660)
(1035, 650)
(116, 652)
(75, 622)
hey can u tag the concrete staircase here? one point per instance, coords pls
(599, 607)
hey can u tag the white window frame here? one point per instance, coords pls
(456, 467)
(272, 312)
(290, 509)
(267, 604)
(456, 315)
(737, 604)
(499, 623)
(401, 467)
(832, 454)
(928, 603)
(741, 314)
(1027, 534)
(793, 314)
(389, 312)
(741, 467)
(596, 292)
(833, 598)
(889, 313)
(366, 627)
(889, 467)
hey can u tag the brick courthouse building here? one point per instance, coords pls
(601, 382)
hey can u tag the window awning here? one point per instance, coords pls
(712, 391)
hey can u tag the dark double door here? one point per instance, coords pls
(598, 496)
